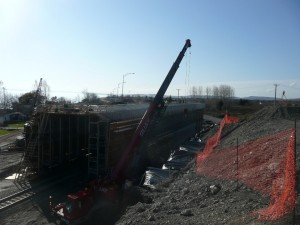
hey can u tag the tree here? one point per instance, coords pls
(194, 91)
(45, 90)
(215, 92)
(2, 95)
(90, 98)
(60, 100)
(200, 90)
(226, 94)
(169, 99)
(27, 98)
(208, 91)
(44, 94)
(243, 102)
(220, 104)
(6, 99)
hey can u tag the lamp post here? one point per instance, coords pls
(124, 75)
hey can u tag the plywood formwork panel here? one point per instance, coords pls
(120, 134)
(66, 135)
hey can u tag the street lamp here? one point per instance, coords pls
(124, 75)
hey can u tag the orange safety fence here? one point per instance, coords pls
(266, 165)
(283, 193)
(214, 140)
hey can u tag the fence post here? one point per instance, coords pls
(296, 181)
(237, 163)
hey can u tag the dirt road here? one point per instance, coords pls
(9, 138)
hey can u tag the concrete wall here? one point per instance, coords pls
(66, 137)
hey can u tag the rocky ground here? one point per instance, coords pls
(189, 198)
(186, 198)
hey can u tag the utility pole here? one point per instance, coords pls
(178, 93)
(276, 85)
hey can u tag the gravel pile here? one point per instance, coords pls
(265, 122)
(189, 198)
(193, 199)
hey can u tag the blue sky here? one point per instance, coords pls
(89, 45)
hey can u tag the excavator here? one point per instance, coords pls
(78, 205)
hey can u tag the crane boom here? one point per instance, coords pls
(148, 116)
(108, 186)
(37, 93)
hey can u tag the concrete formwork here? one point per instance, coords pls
(96, 137)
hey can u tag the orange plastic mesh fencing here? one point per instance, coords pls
(214, 140)
(266, 165)
(283, 193)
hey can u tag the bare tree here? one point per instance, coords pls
(194, 91)
(223, 89)
(90, 97)
(200, 91)
(222, 93)
(5, 98)
(216, 92)
(44, 95)
(10, 100)
(208, 91)
(1, 94)
(226, 92)
(45, 90)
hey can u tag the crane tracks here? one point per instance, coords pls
(29, 192)
(16, 198)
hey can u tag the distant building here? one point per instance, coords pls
(11, 118)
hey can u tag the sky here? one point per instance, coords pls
(90, 45)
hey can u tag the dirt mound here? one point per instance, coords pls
(190, 198)
(193, 199)
(265, 122)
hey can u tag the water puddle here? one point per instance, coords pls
(12, 177)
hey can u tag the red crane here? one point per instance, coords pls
(148, 116)
(80, 204)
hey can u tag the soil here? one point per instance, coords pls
(185, 198)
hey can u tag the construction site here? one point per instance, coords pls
(211, 189)
(153, 163)
(97, 135)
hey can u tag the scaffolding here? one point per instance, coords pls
(94, 138)
(97, 156)
(31, 156)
